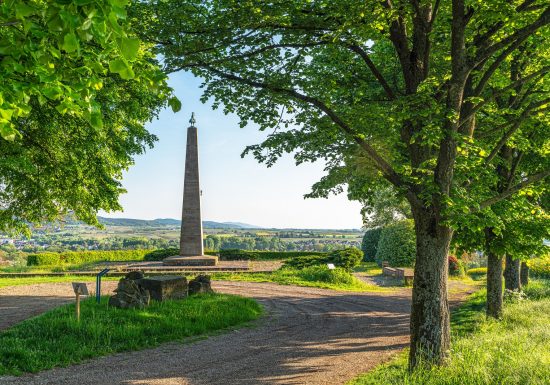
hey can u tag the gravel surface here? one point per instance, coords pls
(308, 336)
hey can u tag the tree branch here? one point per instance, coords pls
(512, 190)
(380, 163)
(377, 74)
(514, 128)
(520, 34)
(496, 93)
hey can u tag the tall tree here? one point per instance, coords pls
(402, 82)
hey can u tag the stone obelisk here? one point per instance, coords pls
(191, 244)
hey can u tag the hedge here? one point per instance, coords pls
(397, 244)
(370, 243)
(346, 258)
(78, 257)
(476, 271)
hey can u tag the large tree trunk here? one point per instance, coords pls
(430, 327)
(511, 274)
(494, 285)
(524, 274)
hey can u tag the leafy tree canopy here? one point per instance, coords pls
(77, 88)
(59, 51)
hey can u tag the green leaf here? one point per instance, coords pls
(121, 67)
(22, 10)
(174, 103)
(7, 131)
(70, 42)
(96, 121)
(129, 47)
(52, 92)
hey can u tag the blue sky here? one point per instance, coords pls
(234, 189)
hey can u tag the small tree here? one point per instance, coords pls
(397, 244)
(369, 245)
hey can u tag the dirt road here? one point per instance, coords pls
(309, 336)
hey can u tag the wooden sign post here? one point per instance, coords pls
(79, 289)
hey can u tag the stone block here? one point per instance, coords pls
(201, 284)
(165, 287)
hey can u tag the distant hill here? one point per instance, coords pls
(171, 222)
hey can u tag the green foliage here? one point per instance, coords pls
(56, 339)
(540, 267)
(59, 52)
(79, 257)
(477, 272)
(237, 254)
(512, 351)
(456, 268)
(397, 244)
(346, 258)
(370, 243)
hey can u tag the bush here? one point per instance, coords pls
(237, 254)
(539, 267)
(306, 261)
(397, 244)
(455, 267)
(346, 258)
(370, 244)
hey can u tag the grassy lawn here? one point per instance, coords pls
(315, 276)
(369, 268)
(56, 339)
(513, 351)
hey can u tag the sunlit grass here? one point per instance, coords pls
(55, 338)
(513, 351)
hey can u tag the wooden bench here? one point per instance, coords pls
(406, 274)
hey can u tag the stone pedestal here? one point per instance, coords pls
(165, 287)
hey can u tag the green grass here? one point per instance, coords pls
(314, 276)
(513, 351)
(369, 268)
(55, 338)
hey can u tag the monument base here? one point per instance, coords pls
(199, 260)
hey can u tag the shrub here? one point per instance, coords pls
(455, 267)
(370, 243)
(397, 244)
(305, 261)
(160, 254)
(539, 267)
(346, 258)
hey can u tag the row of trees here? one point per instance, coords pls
(442, 103)
(439, 105)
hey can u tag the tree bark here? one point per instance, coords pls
(524, 274)
(512, 274)
(494, 285)
(430, 327)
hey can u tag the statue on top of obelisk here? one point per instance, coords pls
(191, 243)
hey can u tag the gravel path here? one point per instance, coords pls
(309, 336)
